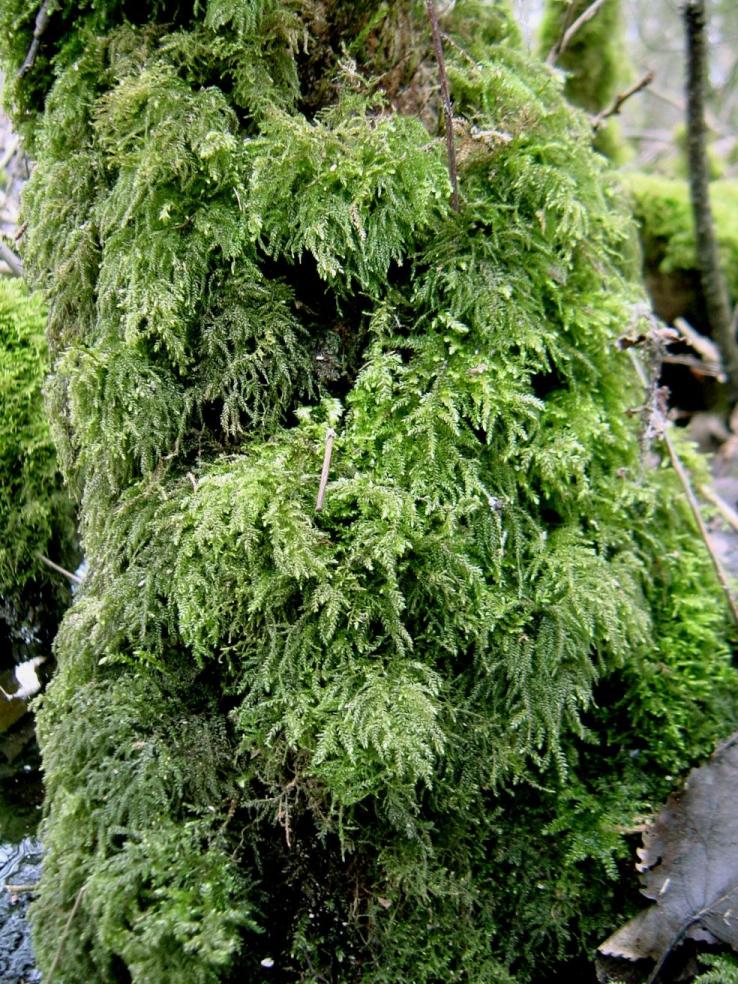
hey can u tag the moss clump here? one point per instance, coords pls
(389, 740)
(664, 215)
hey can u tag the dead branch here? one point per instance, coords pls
(724, 508)
(683, 476)
(64, 934)
(13, 262)
(42, 22)
(447, 106)
(566, 38)
(620, 99)
(326, 468)
(74, 578)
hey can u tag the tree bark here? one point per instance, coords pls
(708, 259)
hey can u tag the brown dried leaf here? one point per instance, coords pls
(689, 866)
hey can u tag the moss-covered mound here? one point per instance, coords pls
(396, 739)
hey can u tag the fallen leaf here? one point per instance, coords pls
(689, 867)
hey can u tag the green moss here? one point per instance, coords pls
(664, 215)
(36, 515)
(386, 740)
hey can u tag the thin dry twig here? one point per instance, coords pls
(566, 38)
(724, 508)
(13, 261)
(326, 468)
(447, 106)
(74, 578)
(683, 476)
(65, 932)
(42, 22)
(620, 99)
(700, 367)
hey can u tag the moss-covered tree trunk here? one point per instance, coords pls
(393, 739)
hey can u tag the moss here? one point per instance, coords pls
(664, 215)
(386, 740)
(36, 514)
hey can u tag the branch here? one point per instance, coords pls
(708, 258)
(13, 262)
(565, 40)
(448, 108)
(622, 97)
(326, 468)
(42, 22)
(64, 934)
(74, 578)
(683, 476)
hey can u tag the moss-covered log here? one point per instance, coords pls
(397, 739)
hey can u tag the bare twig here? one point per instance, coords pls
(703, 346)
(714, 124)
(447, 106)
(42, 22)
(692, 362)
(622, 97)
(13, 261)
(724, 508)
(8, 155)
(326, 468)
(20, 889)
(566, 38)
(74, 578)
(682, 475)
(63, 937)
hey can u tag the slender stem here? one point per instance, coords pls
(326, 468)
(622, 97)
(565, 40)
(13, 262)
(74, 578)
(447, 105)
(63, 937)
(42, 22)
(682, 475)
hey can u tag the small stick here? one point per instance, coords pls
(65, 931)
(724, 508)
(20, 889)
(7, 254)
(447, 106)
(694, 505)
(74, 578)
(8, 155)
(326, 468)
(622, 97)
(42, 22)
(565, 40)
